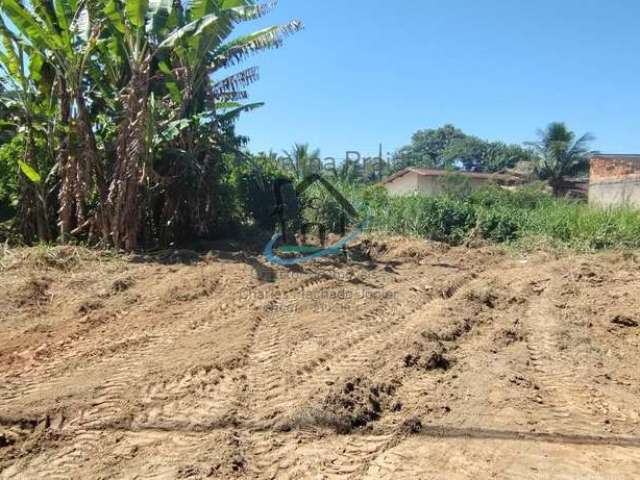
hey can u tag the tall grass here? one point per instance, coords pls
(494, 214)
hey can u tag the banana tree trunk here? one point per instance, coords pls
(124, 203)
(66, 170)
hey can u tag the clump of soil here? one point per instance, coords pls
(359, 402)
(624, 321)
(428, 358)
(449, 333)
(507, 336)
(486, 296)
(21, 437)
(412, 425)
(398, 248)
(122, 284)
(89, 306)
(354, 404)
(34, 292)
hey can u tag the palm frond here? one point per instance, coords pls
(194, 29)
(136, 12)
(237, 81)
(234, 113)
(268, 38)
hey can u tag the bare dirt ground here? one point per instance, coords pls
(412, 360)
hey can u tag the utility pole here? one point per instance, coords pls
(380, 163)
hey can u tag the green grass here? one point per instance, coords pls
(525, 217)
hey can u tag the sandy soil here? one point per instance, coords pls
(411, 360)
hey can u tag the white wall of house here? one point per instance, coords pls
(411, 182)
(615, 192)
(404, 185)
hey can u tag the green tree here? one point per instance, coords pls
(476, 155)
(427, 147)
(468, 153)
(302, 160)
(559, 154)
(448, 147)
(349, 171)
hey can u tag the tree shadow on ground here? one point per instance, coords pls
(249, 251)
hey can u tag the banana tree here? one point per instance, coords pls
(29, 111)
(190, 73)
(128, 83)
(183, 47)
(61, 41)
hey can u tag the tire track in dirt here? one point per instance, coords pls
(106, 410)
(361, 353)
(219, 401)
(523, 458)
(139, 348)
(263, 381)
(218, 394)
(173, 395)
(258, 371)
(374, 320)
(64, 463)
(569, 399)
(369, 337)
(360, 451)
(458, 325)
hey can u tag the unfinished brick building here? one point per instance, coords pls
(615, 180)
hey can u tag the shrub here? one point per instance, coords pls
(499, 224)
(500, 216)
(443, 218)
(9, 154)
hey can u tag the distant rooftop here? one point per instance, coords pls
(426, 172)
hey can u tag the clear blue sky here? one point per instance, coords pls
(365, 72)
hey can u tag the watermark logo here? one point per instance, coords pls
(289, 213)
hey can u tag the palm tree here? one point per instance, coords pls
(303, 161)
(560, 154)
(349, 171)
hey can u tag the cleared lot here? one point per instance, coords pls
(412, 360)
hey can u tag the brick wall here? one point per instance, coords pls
(611, 167)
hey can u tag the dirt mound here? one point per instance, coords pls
(409, 359)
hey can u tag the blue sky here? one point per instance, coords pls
(370, 72)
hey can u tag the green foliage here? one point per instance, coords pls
(321, 207)
(449, 147)
(29, 172)
(442, 218)
(131, 103)
(499, 224)
(249, 186)
(559, 153)
(427, 147)
(302, 161)
(9, 152)
(526, 197)
(501, 216)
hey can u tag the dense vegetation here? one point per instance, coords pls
(449, 147)
(121, 117)
(118, 130)
(527, 217)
